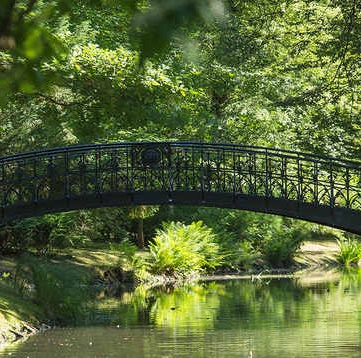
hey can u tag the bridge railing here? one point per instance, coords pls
(78, 171)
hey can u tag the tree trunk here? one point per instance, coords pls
(140, 233)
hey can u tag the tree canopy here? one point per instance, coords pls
(260, 72)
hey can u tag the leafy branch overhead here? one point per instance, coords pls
(156, 25)
(27, 39)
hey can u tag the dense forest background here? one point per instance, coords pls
(273, 73)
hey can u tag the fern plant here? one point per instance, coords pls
(180, 249)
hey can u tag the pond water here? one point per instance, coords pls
(281, 318)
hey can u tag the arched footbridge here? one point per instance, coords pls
(319, 189)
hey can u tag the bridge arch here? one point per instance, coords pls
(319, 189)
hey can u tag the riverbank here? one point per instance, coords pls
(19, 317)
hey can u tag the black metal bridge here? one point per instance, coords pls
(318, 189)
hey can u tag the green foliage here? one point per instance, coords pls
(240, 254)
(21, 235)
(277, 243)
(159, 22)
(5, 275)
(129, 260)
(270, 74)
(350, 251)
(42, 233)
(180, 249)
(282, 74)
(251, 238)
(26, 38)
(56, 231)
(280, 247)
(126, 248)
(99, 225)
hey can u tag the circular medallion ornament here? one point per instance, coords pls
(151, 156)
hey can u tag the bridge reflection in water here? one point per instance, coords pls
(318, 189)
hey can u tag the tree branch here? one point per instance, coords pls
(6, 19)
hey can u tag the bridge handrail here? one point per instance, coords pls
(197, 145)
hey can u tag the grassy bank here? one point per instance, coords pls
(36, 292)
(18, 317)
(58, 289)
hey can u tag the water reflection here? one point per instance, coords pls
(240, 318)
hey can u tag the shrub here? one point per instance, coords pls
(42, 233)
(52, 231)
(277, 243)
(126, 248)
(128, 258)
(248, 236)
(350, 251)
(241, 254)
(180, 249)
(280, 247)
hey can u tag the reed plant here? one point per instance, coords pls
(350, 251)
